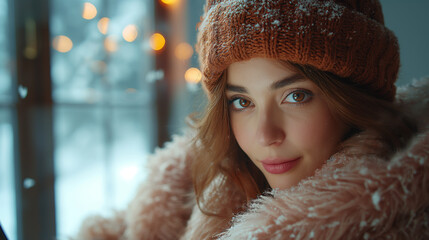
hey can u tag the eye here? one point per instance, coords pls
(240, 103)
(298, 96)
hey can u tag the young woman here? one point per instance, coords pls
(303, 136)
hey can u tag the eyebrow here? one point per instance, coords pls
(274, 86)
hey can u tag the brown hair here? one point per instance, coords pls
(220, 157)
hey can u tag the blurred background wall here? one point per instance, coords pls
(409, 20)
(89, 88)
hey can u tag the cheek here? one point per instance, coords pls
(241, 131)
(318, 135)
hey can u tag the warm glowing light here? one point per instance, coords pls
(130, 33)
(193, 75)
(110, 44)
(183, 51)
(169, 2)
(62, 44)
(89, 11)
(103, 25)
(157, 41)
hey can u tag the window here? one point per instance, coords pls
(5, 60)
(103, 90)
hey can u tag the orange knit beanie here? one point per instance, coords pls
(344, 37)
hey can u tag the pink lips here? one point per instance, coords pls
(279, 166)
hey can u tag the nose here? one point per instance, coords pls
(270, 131)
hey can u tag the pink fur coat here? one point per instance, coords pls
(353, 196)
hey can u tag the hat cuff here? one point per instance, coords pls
(325, 35)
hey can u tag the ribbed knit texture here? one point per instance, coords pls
(347, 38)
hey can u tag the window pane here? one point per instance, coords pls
(5, 62)
(7, 183)
(104, 122)
(98, 157)
(100, 51)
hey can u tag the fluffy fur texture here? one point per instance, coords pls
(353, 196)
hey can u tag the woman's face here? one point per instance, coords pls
(281, 120)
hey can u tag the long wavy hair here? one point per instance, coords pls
(220, 158)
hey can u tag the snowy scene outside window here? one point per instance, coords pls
(103, 99)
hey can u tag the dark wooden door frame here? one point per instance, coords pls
(34, 166)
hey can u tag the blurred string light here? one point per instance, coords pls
(89, 11)
(130, 33)
(103, 25)
(157, 41)
(183, 51)
(169, 2)
(193, 75)
(110, 44)
(62, 44)
(30, 51)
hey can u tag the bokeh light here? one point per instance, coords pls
(103, 25)
(62, 44)
(110, 44)
(183, 51)
(193, 75)
(130, 33)
(157, 41)
(169, 2)
(89, 11)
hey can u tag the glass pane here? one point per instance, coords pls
(98, 157)
(101, 69)
(7, 183)
(100, 51)
(5, 61)
(78, 165)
